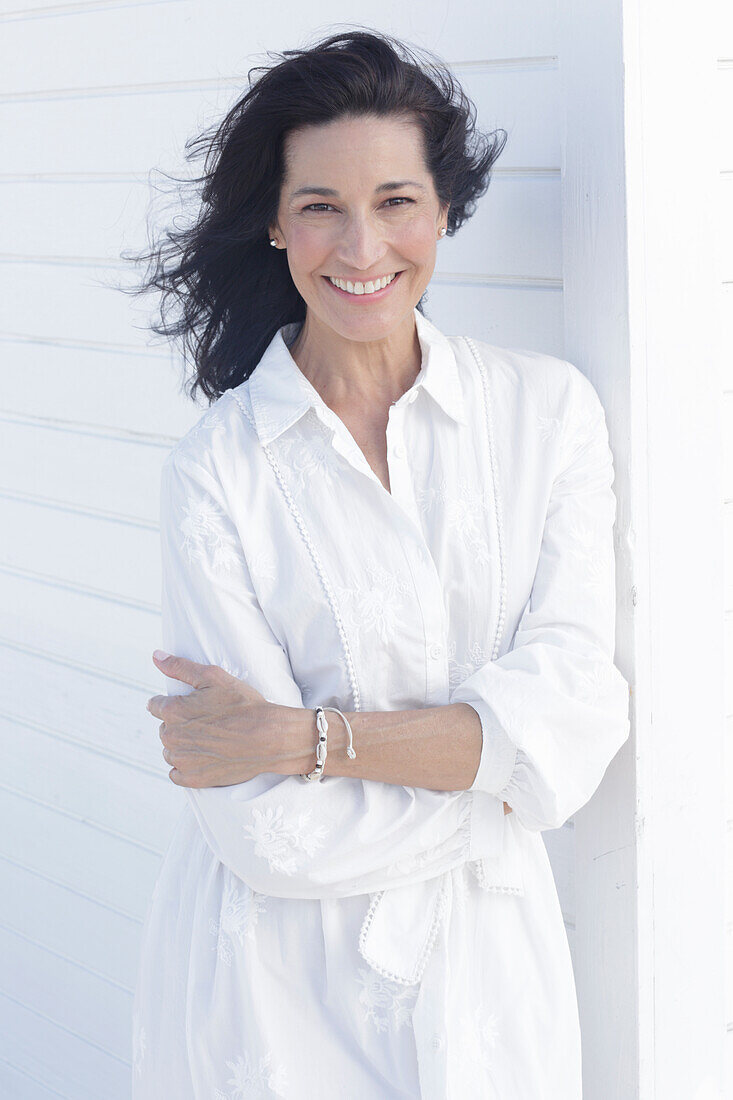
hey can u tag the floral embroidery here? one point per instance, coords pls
(376, 606)
(240, 910)
(549, 427)
(386, 1003)
(308, 454)
(410, 863)
(434, 853)
(477, 1033)
(463, 509)
(211, 420)
(279, 839)
(263, 565)
(138, 1043)
(252, 1079)
(205, 537)
(458, 672)
(591, 685)
(583, 545)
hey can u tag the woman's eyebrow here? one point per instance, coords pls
(329, 192)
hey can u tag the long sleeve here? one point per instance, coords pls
(281, 834)
(554, 708)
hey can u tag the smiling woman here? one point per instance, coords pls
(413, 531)
(354, 157)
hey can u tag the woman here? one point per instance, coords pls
(415, 531)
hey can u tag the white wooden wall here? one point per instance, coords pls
(93, 95)
(725, 76)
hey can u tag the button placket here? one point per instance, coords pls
(400, 479)
(428, 585)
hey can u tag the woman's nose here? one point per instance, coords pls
(362, 246)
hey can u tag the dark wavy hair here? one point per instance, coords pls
(224, 291)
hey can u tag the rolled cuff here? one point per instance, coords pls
(498, 752)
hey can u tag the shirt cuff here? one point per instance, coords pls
(487, 826)
(498, 752)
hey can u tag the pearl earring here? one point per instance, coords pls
(443, 231)
(273, 242)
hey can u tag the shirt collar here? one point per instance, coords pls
(280, 393)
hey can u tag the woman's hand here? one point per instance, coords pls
(221, 733)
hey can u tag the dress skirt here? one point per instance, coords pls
(241, 995)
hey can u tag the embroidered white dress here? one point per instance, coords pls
(353, 938)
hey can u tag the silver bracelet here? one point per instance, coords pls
(322, 745)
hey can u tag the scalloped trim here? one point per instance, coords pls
(439, 912)
(479, 870)
(300, 524)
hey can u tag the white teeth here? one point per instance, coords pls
(362, 288)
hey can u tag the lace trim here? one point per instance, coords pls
(498, 508)
(479, 870)
(351, 670)
(441, 908)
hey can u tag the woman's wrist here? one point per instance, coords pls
(296, 734)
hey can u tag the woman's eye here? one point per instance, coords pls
(398, 199)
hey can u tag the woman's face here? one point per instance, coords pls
(366, 208)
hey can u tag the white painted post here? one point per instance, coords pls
(640, 182)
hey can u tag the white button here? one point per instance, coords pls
(435, 651)
(437, 1042)
(399, 450)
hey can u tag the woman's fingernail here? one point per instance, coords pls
(160, 654)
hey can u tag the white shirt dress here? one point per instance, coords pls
(354, 938)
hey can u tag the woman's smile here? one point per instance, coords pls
(362, 291)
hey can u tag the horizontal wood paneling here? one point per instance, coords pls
(22, 1085)
(119, 390)
(67, 851)
(113, 558)
(47, 1004)
(140, 44)
(99, 634)
(74, 301)
(82, 930)
(84, 993)
(129, 804)
(99, 712)
(115, 474)
(15, 11)
(109, 131)
(499, 315)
